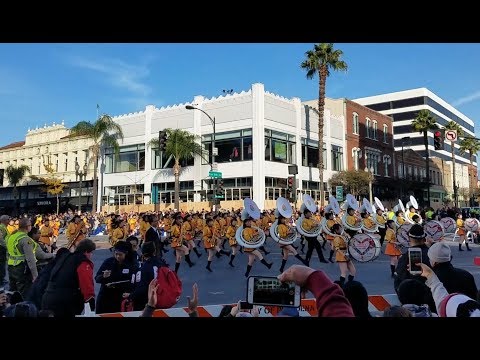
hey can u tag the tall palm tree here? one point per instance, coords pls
(105, 133)
(473, 147)
(452, 125)
(423, 123)
(181, 145)
(321, 60)
(14, 175)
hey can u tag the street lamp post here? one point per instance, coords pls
(212, 120)
(370, 182)
(406, 138)
(81, 175)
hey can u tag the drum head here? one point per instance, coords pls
(364, 248)
(434, 230)
(472, 224)
(402, 234)
(449, 225)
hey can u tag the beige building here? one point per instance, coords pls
(47, 145)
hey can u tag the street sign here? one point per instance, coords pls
(451, 135)
(215, 151)
(218, 196)
(214, 166)
(339, 193)
(215, 174)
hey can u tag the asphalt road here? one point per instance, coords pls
(228, 285)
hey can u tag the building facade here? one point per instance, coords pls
(258, 135)
(403, 106)
(47, 145)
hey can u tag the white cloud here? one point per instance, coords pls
(466, 99)
(118, 73)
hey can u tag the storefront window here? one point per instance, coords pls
(130, 158)
(279, 147)
(310, 153)
(232, 146)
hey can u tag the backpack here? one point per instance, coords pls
(169, 288)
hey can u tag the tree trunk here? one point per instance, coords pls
(58, 204)
(322, 79)
(427, 161)
(176, 173)
(455, 190)
(95, 183)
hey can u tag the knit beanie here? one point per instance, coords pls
(439, 252)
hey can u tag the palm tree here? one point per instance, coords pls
(181, 145)
(104, 133)
(452, 125)
(470, 145)
(321, 60)
(14, 175)
(423, 123)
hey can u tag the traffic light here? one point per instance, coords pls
(290, 184)
(220, 187)
(162, 140)
(438, 139)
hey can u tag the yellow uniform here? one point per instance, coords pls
(11, 229)
(45, 233)
(460, 227)
(381, 220)
(283, 231)
(330, 223)
(369, 223)
(109, 226)
(216, 227)
(208, 237)
(230, 234)
(400, 220)
(133, 224)
(351, 220)
(391, 248)
(308, 224)
(223, 226)
(144, 226)
(177, 240)
(117, 235)
(249, 234)
(187, 231)
(340, 244)
(56, 227)
(167, 223)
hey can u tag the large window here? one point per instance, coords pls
(279, 147)
(374, 129)
(355, 123)
(385, 133)
(130, 158)
(161, 161)
(337, 158)
(373, 159)
(368, 124)
(310, 153)
(232, 146)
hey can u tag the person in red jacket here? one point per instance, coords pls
(331, 301)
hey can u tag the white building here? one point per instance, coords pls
(258, 134)
(403, 106)
(49, 144)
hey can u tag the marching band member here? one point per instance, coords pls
(284, 231)
(178, 234)
(381, 225)
(367, 220)
(143, 228)
(248, 234)
(188, 231)
(118, 231)
(330, 238)
(352, 221)
(76, 231)
(308, 224)
(400, 217)
(392, 249)
(46, 233)
(411, 212)
(210, 243)
(461, 233)
(232, 241)
(341, 256)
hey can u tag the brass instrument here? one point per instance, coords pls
(352, 203)
(284, 209)
(309, 204)
(250, 210)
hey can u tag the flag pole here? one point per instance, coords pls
(98, 107)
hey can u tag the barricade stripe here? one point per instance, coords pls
(378, 302)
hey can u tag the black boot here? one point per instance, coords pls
(177, 265)
(197, 252)
(264, 250)
(307, 261)
(224, 252)
(324, 243)
(218, 254)
(303, 247)
(268, 265)
(284, 262)
(231, 260)
(223, 243)
(208, 265)
(460, 247)
(189, 262)
(330, 256)
(249, 267)
(392, 270)
(342, 281)
(304, 262)
(468, 248)
(350, 277)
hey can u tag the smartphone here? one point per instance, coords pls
(415, 257)
(244, 305)
(264, 290)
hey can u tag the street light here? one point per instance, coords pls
(190, 107)
(80, 174)
(404, 139)
(370, 182)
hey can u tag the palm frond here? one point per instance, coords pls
(83, 128)
(16, 173)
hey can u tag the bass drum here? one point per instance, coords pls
(434, 230)
(402, 235)
(364, 248)
(449, 225)
(472, 224)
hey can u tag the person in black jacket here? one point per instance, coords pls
(115, 275)
(153, 235)
(455, 280)
(148, 272)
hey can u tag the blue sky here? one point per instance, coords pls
(45, 83)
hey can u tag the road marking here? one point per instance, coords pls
(217, 293)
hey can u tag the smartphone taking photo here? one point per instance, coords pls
(264, 290)
(415, 257)
(244, 305)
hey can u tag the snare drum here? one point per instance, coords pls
(449, 225)
(434, 230)
(364, 248)
(472, 224)
(402, 235)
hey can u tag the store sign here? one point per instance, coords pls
(44, 202)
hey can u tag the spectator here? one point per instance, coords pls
(4, 220)
(455, 280)
(331, 301)
(357, 295)
(149, 309)
(70, 285)
(414, 295)
(397, 311)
